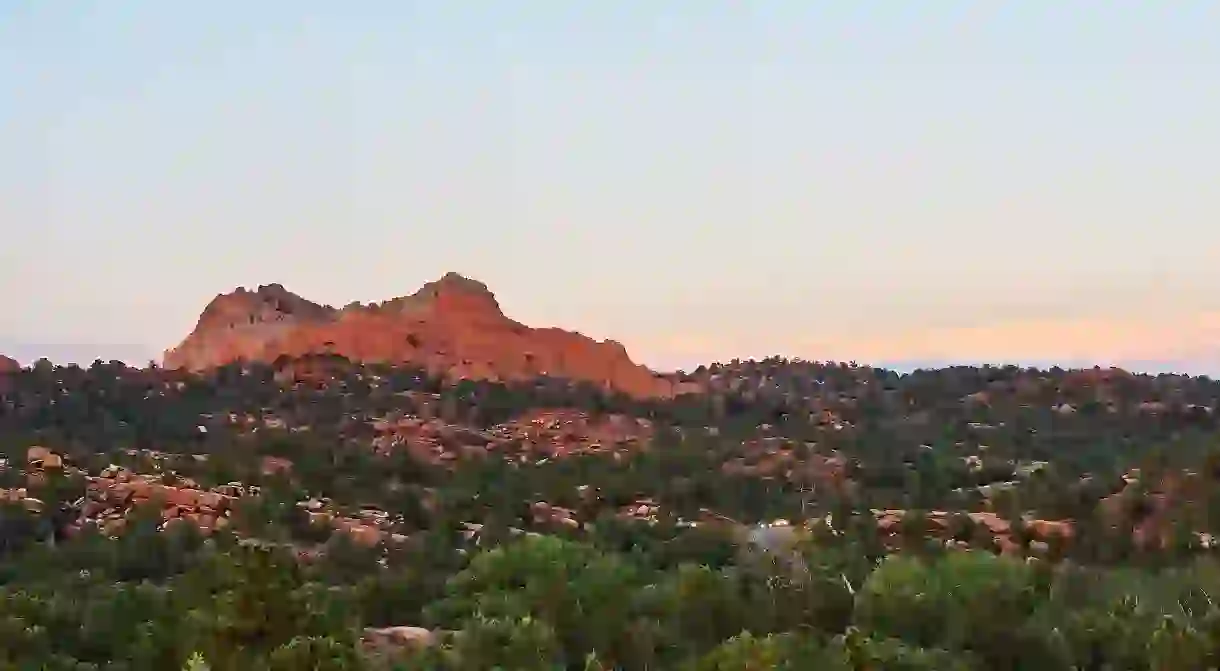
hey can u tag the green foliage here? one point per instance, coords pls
(780, 652)
(314, 653)
(612, 592)
(261, 605)
(941, 603)
(857, 651)
(508, 642)
(547, 582)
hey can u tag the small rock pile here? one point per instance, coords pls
(116, 492)
(112, 496)
(541, 434)
(369, 527)
(387, 644)
(38, 460)
(563, 432)
(939, 523)
(431, 440)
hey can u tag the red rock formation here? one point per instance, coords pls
(8, 365)
(453, 325)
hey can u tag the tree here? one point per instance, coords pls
(962, 601)
(572, 587)
(780, 652)
(260, 604)
(525, 643)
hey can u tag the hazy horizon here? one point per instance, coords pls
(698, 180)
(83, 354)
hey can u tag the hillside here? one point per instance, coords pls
(355, 515)
(452, 326)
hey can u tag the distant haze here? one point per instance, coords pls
(698, 179)
(83, 355)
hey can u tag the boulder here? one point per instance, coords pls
(401, 637)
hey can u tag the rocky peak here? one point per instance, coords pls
(237, 325)
(452, 294)
(453, 325)
(268, 304)
(8, 365)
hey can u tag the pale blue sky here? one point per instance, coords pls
(698, 179)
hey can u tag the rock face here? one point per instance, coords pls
(8, 365)
(453, 326)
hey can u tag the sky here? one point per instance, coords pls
(886, 182)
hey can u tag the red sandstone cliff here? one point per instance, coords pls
(453, 325)
(8, 365)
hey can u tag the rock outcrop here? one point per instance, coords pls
(535, 435)
(8, 365)
(453, 326)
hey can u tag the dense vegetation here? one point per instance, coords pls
(1123, 458)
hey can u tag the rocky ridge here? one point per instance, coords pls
(453, 325)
